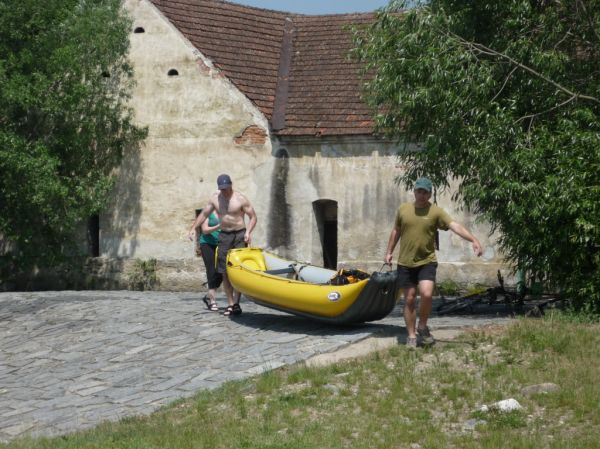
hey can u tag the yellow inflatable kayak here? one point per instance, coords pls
(344, 297)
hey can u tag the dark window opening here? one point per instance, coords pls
(197, 242)
(139, 30)
(173, 72)
(326, 213)
(93, 236)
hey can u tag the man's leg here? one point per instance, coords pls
(239, 243)
(228, 289)
(410, 311)
(426, 294)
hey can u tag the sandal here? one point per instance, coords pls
(236, 309)
(212, 306)
(233, 310)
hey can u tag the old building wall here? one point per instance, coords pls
(199, 125)
(358, 173)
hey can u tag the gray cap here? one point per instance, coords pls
(423, 183)
(224, 182)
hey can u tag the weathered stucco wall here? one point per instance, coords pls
(199, 126)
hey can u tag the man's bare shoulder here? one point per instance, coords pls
(214, 198)
(239, 196)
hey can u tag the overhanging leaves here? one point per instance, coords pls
(504, 98)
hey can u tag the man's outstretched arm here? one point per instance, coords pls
(463, 232)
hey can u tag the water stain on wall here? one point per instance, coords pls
(279, 217)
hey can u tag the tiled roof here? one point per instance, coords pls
(324, 89)
(293, 67)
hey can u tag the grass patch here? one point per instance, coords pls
(448, 287)
(392, 399)
(498, 420)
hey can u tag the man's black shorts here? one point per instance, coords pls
(228, 240)
(410, 276)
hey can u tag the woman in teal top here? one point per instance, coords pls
(209, 239)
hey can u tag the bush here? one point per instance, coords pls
(143, 275)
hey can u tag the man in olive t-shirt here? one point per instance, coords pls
(415, 227)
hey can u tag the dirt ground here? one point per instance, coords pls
(372, 344)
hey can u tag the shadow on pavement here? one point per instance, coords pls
(279, 322)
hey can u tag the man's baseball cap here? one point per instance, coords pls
(423, 183)
(223, 182)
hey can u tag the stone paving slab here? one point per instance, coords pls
(72, 359)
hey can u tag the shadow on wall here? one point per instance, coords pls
(119, 226)
(279, 217)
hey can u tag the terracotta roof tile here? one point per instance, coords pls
(319, 87)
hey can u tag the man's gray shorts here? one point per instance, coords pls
(228, 240)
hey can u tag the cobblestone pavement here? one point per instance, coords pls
(69, 360)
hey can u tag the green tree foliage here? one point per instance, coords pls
(504, 98)
(64, 121)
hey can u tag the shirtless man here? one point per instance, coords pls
(232, 207)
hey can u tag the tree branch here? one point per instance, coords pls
(489, 51)
(532, 116)
(567, 34)
(505, 81)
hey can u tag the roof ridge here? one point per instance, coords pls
(283, 75)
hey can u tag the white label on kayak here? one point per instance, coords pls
(334, 296)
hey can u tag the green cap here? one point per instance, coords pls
(423, 183)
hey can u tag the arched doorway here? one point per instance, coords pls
(326, 213)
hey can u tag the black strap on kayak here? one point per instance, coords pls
(287, 270)
(297, 269)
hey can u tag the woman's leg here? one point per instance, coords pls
(213, 278)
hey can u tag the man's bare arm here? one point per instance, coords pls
(392, 241)
(249, 210)
(463, 232)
